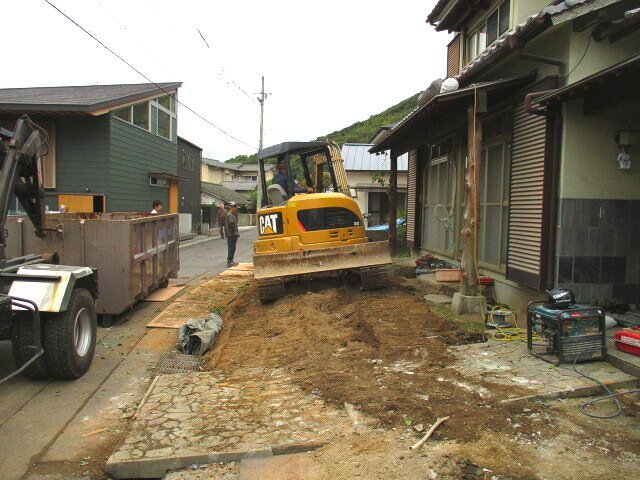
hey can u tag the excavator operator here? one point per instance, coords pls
(281, 179)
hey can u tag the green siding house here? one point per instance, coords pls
(111, 147)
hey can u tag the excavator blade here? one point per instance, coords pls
(303, 262)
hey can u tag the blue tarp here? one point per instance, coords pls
(400, 221)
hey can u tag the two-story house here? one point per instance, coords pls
(547, 101)
(110, 147)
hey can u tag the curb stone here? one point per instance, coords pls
(158, 467)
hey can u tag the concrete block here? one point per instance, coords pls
(437, 299)
(427, 284)
(466, 303)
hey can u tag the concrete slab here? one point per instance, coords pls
(427, 284)
(205, 417)
(510, 363)
(284, 467)
(437, 299)
(103, 414)
(622, 360)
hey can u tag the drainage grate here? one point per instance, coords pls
(174, 362)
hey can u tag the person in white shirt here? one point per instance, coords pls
(157, 207)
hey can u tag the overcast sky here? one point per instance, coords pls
(327, 64)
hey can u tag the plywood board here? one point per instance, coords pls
(237, 273)
(164, 294)
(209, 296)
(178, 313)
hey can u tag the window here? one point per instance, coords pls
(123, 114)
(188, 161)
(157, 116)
(141, 115)
(158, 182)
(164, 101)
(164, 124)
(493, 193)
(488, 31)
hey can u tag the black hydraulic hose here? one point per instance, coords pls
(33, 307)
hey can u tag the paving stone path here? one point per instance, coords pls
(510, 363)
(195, 417)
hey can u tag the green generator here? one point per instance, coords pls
(572, 332)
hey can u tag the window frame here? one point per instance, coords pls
(483, 24)
(151, 104)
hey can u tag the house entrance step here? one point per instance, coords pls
(427, 284)
(437, 299)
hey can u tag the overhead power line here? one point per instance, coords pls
(146, 77)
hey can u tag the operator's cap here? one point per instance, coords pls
(233, 204)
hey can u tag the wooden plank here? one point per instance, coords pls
(176, 314)
(164, 294)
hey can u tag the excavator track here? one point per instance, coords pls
(270, 289)
(374, 278)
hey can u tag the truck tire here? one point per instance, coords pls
(21, 343)
(69, 338)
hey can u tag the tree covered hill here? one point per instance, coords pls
(359, 132)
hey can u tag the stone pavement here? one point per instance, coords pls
(206, 417)
(511, 364)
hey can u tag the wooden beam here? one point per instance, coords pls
(393, 201)
(470, 230)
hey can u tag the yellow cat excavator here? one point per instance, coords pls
(308, 233)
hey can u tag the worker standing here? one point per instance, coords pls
(233, 234)
(222, 218)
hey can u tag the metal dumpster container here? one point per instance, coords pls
(134, 253)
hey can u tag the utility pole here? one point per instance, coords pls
(261, 99)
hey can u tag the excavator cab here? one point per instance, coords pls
(321, 230)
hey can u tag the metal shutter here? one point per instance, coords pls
(525, 262)
(411, 196)
(453, 57)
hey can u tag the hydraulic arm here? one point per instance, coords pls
(21, 175)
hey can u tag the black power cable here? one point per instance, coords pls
(146, 77)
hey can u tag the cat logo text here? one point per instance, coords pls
(270, 224)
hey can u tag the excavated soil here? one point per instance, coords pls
(385, 353)
(382, 351)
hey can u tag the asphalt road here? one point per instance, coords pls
(65, 429)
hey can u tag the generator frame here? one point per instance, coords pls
(558, 323)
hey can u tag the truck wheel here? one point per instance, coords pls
(21, 341)
(69, 338)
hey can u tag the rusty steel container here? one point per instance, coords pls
(134, 253)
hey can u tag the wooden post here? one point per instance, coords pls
(393, 201)
(469, 279)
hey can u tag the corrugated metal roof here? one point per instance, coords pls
(85, 98)
(356, 157)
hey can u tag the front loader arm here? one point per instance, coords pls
(22, 174)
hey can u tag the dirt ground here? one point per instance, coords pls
(385, 353)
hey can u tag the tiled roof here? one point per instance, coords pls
(223, 193)
(241, 185)
(522, 33)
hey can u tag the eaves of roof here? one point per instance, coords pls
(533, 26)
(182, 139)
(45, 99)
(421, 112)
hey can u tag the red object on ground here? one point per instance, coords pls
(628, 341)
(485, 281)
